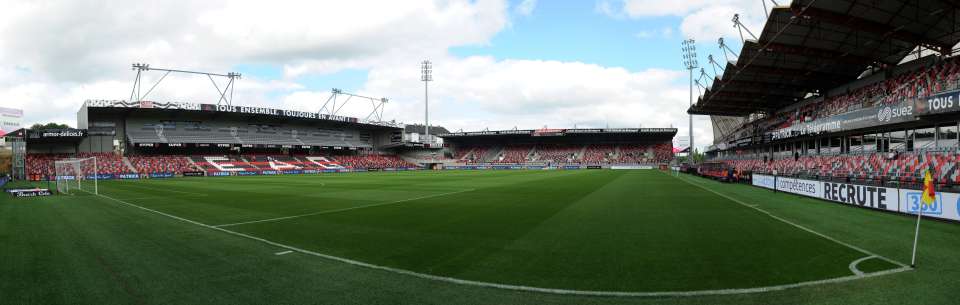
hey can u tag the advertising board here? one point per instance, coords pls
(947, 205)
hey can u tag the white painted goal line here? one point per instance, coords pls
(528, 288)
(861, 250)
(341, 210)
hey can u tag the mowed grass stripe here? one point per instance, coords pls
(622, 231)
(240, 199)
(755, 207)
(52, 246)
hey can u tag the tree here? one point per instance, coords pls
(50, 125)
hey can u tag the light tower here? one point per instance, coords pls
(689, 51)
(426, 70)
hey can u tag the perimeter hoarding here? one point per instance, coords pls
(891, 199)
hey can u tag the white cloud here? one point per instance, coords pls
(93, 36)
(703, 25)
(50, 49)
(50, 75)
(647, 8)
(608, 8)
(526, 7)
(478, 92)
(704, 20)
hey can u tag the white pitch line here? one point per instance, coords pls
(529, 288)
(861, 250)
(283, 252)
(853, 265)
(339, 210)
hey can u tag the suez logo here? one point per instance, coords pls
(869, 196)
(888, 113)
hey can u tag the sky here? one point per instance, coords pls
(498, 64)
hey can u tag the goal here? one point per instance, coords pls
(76, 175)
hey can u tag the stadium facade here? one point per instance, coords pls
(150, 139)
(836, 93)
(569, 148)
(186, 127)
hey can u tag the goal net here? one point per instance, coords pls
(76, 175)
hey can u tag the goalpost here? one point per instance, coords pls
(76, 174)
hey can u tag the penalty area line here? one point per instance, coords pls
(340, 210)
(520, 287)
(738, 201)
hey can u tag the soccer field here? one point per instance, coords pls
(483, 236)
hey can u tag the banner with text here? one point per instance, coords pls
(947, 205)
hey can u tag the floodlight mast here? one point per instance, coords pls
(225, 95)
(426, 70)
(689, 52)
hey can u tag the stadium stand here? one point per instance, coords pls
(42, 165)
(154, 131)
(514, 154)
(941, 76)
(902, 167)
(557, 153)
(318, 162)
(374, 161)
(589, 154)
(161, 164)
(475, 155)
(223, 163)
(598, 154)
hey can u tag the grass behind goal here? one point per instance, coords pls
(583, 230)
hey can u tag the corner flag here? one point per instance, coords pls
(928, 198)
(929, 195)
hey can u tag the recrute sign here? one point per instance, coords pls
(947, 205)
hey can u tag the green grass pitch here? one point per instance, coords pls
(447, 237)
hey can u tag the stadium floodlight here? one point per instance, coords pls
(426, 70)
(77, 174)
(225, 95)
(689, 53)
(331, 108)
